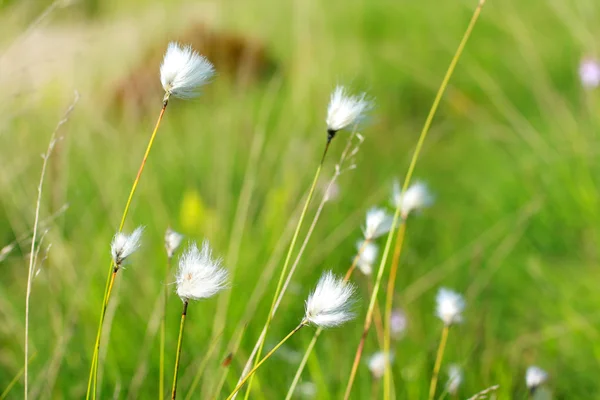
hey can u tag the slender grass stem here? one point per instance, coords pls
(265, 358)
(163, 335)
(407, 179)
(178, 353)
(92, 381)
(15, 379)
(389, 301)
(438, 362)
(287, 261)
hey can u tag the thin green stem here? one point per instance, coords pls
(411, 168)
(163, 335)
(266, 357)
(438, 362)
(309, 350)
(178, 354)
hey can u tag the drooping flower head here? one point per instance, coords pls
(378, 222)
(183, 71)
(450, 306)
(377, 363)
(398, 323)
(330, 303)
(455, 379)
(172, 241)
(345, 110)
(535, 377)
(367, 257)
(589, 73)
(123, 245)
(417, 197)
(199, 275)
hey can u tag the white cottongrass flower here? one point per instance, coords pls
(455, 378)
(183, 71)
(172, 241)
(398, 323)
(417, 196)
(450, 306)
(378, 222)
(589, 73)
(367, 257)
(123, 245)
(330, 303)
(199, 275)
(534, 377)
(345, 110)
(377, 363)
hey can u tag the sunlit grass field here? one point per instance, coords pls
(512, 159)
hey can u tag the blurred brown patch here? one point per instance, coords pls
(242, 59)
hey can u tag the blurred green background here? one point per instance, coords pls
(511, 158)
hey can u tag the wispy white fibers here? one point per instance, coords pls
(172, 241)
(123, 245)
(378, 222)
(455, 379)
(367, 257)
(183, 71)
(450, 306)
(534, 377)
(199, 275)
(345, 110)
(417, 197)
(377, 363)
(330, 303)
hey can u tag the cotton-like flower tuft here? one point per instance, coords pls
(330, 303)
(455, 379)
(377, 363)
(417, 197)
(450, 306)
(345, 110)
(398, 323)
(535, 377)
(378, 222)
(172, 241)
(589, 73)
(183, 71)
(367, 257)
(199, 276)
(123, 245)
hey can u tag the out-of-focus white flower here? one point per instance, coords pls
(398, 323)
(534, 377)
(589, 73)
(417, 196)
(345, 110)
(367, 256)
(378, 222)
(332, 191)
(331, 302)
(183, 71)
(307, 390)
(123, 245)
(455, 378)
(377, 363)
(450, 306)
(172, 241)
(199, 275)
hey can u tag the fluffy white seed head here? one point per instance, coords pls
(535, 376)
(183, 71)
(199, 275)
(172, 241)
(377, 363)
(345, 110)
(378, 223)
(417, 197)
(330, 303)
(589, 73)
(450, 306)
(455, 378)
(123, 245)
(398, 323)
(367, 257)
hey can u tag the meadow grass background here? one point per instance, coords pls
(511, 158)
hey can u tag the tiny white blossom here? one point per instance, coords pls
(378, 222)
(199, 275)
(589, 73)
(345, 110)
(398, 323)
(450, 306)
(417, 196)
(123, 245)
(330, 303)
(368, 256)
(455, 378)
(183, 71)
(377, 363)
(534, 377)
(172, 241)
